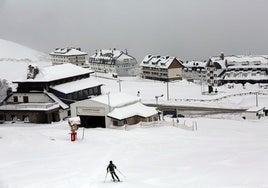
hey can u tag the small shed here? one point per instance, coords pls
(132, 114)
(112, 109)
(254, 113)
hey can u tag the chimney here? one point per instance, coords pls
(126, 52)
(222, 56)
(32, 72)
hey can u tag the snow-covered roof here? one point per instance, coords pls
(136, 109)
(57, 72)
(157, 61)
(57, 100)
(74, 86)
(248, 77)
(116, 99)
(111, 54)
(255, 109)
(191, 64)
(249, 60)
(247, 65)
(68, 52)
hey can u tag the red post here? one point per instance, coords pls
(73, 136)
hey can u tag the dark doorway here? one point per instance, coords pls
(25, 99)
(92, 121)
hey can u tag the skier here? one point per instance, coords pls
(111, 168)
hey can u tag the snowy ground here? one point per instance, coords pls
(186, 93)
(221, 153)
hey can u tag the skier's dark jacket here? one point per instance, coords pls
(111, 167)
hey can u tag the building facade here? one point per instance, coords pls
(68, 55)
(237, 69)
(194, 70)
(163, 68)
(113, 61)
(34, 107)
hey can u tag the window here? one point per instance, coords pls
(15, 98)
(95, 89)
(25, 99)
(90, 92)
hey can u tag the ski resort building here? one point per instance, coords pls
(56, 79)
(45, 94)
(237, 69)
(113, 61)
(163, 68)
(68, 55)
(33, 107)
(194, 70)
(112, 109)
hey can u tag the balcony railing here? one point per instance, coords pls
(35, 106)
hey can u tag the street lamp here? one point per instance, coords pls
(156, 99)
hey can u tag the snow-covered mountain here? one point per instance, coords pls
(15, 58)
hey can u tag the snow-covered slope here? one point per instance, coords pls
(15, 58)
(221, 153)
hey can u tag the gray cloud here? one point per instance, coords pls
(188, 29)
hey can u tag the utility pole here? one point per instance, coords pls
(109, 102)
(257, 99)
(201, 84)
(167, 92)
(119, 82)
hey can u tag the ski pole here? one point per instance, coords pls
(120, 172)
(105, 176)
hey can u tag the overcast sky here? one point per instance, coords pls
(187, 29)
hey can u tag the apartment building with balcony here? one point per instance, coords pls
(163, 68)
(69, 55)
(237, 69)
(113, 61)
